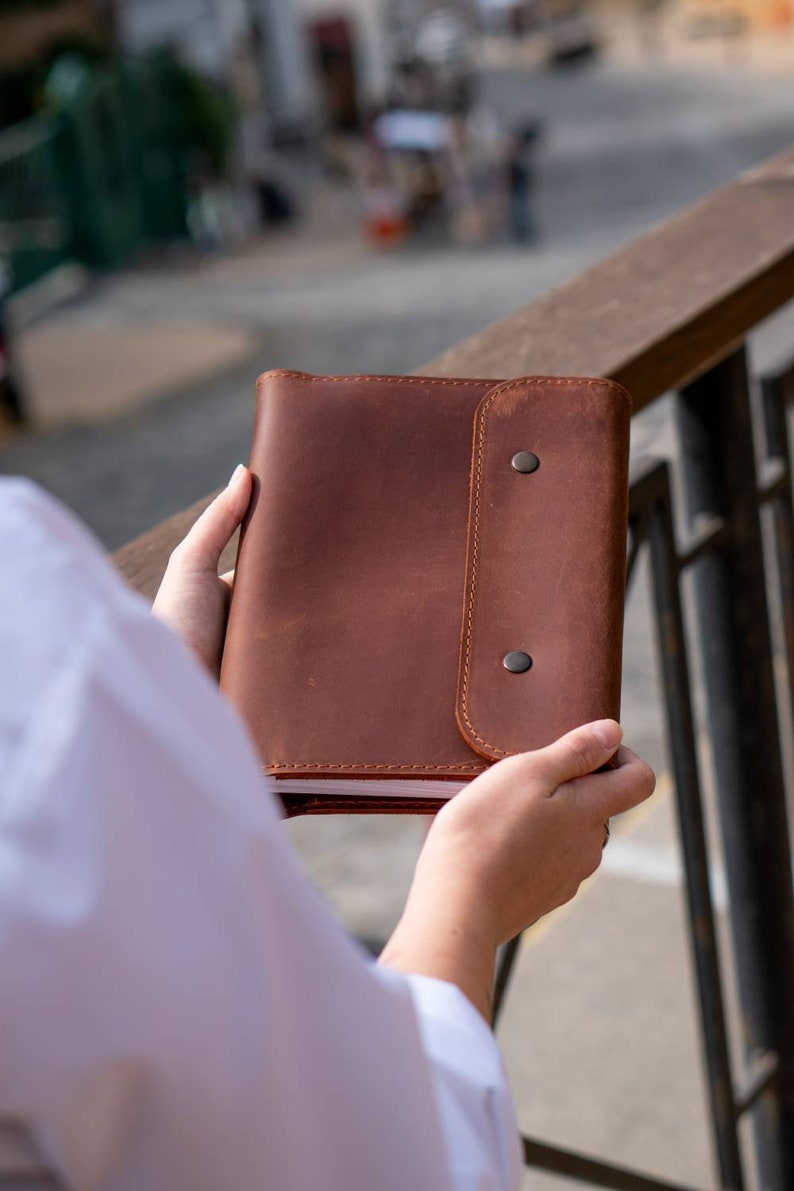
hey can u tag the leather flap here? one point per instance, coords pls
(545, 570)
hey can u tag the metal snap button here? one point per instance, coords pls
(525, 461)
(516, 661)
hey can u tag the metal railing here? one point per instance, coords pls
(101, 175)
(725, 490)
(35, 228)
(670, 313)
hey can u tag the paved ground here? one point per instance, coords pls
(136, 364)
(599, 1028)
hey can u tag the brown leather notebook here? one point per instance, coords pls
(430, 577)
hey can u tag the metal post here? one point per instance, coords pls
(773, 405)
(719, 477)
(681, 734)
(504, 969)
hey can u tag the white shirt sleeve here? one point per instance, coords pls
(178, 1009)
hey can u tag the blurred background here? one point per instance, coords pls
(192, 191)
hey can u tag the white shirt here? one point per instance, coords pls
(178, 1008)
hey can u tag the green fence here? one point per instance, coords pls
(100, 177)
(35, 219)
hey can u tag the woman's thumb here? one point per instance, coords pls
(579, 752)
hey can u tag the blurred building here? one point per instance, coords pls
(359, 47)
(257, 47)
(437, 23)
(349, 46)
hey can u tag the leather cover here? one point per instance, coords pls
(392, 556)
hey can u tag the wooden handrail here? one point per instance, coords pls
(656, 313)
(653, 315)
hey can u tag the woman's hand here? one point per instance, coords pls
(193, 598)
(516, 843)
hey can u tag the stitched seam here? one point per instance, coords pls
(544, 381)
(402, 380)
(359, 765)
(501, 386)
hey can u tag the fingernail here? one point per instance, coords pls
(235, 474)
(608, 733)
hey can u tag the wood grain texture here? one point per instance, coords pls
(653, 315)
